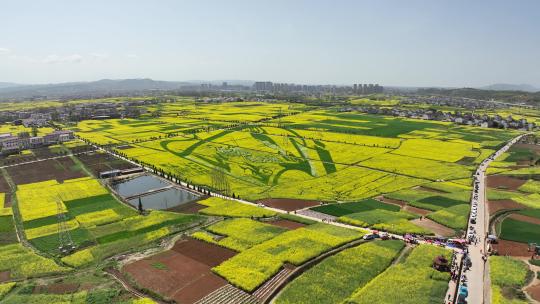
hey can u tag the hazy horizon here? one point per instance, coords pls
(413, 43)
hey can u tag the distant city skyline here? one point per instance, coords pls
(393, 43)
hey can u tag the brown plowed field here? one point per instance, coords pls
(391, 201)
(504, 182)
(5, 276)
(7, 200)
(57, 288)
(403, 205)
(288, 204)
(525, 218)
(81, 149)
(528, 146)
(191, 207)
(512, 248)
(4, 186)
(534, 292)
(287, 224)
(100, 162)
(183, 273)
(437, 228)
(59, 169)
(494, 206)
(415, 210)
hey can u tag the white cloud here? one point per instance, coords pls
(52, 59)
(4, 51)
(132, 56)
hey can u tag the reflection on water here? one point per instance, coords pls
(165, 199)
(138, 185)
(160, 200)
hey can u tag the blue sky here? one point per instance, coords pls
(410, 43)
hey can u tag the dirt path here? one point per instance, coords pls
(532, 290)
(496, 221)
(404, 252)
(115, 274)
(166, 244)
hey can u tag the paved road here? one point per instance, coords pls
(477, 276)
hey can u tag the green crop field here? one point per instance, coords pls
(509, 275)
(353, 164)
(520, 231)
(7, 230)
(375, 214)
(531, 186)
(310, 154)
(221, 207)
(254, 266)
(94, 219)
(384, 220)
(450, 205)
(22, 262)
(413, 281)
(454, 217)
(337, 277)
(317, 155)
(531, 212)
(5, 288)
(531, 200)
(18, 261)
(240, 234)
(348, 208)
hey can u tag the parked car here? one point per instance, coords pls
(372, 236)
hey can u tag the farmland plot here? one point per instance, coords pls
(98, 224)
(129, 233)
(22, 262)
(314, 155)
(241, 234)
(394, 222)
(337, 277)
(450, 206)
(507, 277)
(254, 266)
(222, 207)
(413, 281)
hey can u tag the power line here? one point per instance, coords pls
(65, 242)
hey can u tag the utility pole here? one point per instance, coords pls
(64, 237)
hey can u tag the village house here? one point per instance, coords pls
(12, 144)
(458, 117)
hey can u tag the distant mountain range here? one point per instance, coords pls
(7, 85)
(108, 87)
(86, 89)
(511, 87)
(104, 87)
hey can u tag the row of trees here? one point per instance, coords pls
(220, 183)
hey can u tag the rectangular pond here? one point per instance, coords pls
(137, 185)
(165, 199)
